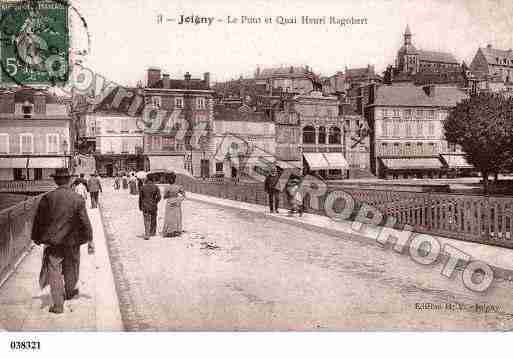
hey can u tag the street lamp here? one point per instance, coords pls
(65, 149)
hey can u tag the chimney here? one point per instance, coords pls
(153, 76)
(187, 76)
(430, 90)
(206, 78)
(166, 83)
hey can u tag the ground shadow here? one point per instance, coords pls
(46, 300)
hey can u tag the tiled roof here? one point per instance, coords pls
(27, 94)
(283, 71)
(225, 113)
(425, 78)
(192, 84)
(365, 71)
(105, 104)
(436, 56)
(417, 96)
(492, 55)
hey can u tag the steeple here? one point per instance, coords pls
(407, 35)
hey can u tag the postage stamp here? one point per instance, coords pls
(35, 42)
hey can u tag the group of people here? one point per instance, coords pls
(150, 195)
(130, 182)
(88, 188)
(292, 191)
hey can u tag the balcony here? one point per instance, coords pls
(322, 148)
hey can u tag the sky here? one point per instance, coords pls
(125, 38)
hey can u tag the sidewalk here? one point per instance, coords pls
(24, 307)
(500, 259)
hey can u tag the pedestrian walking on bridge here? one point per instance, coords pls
(94, 185)
(61, 223)
(270, 184)
(149, 197)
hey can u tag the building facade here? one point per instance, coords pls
(111, 134)
(288, 134)
(244, 141)
(119, 143)
(322, 135)
(493, 69)
(181, 136)
(35, 134)
(291, 79)
(407, 126)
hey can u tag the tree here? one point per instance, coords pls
(483, 126)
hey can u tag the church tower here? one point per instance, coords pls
(408, 56)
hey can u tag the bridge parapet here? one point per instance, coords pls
(26, 186)
(474, 218)
(15, 230)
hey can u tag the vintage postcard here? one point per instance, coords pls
(263, 166)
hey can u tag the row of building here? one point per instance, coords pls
(355, 123)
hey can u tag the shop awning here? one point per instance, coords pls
(456, 161)
(167, 163)
(336, 160)
(46, 162)
(411, 163)
(316, 161)
(13, 162)
(326, 161)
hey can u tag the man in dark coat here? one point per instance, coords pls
(94, 186)
(270, 187)
(149, 197)
(62, 224)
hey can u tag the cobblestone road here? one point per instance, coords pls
(274, 276)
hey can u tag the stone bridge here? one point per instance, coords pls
(238, 267)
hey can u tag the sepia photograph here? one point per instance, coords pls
(271, 166)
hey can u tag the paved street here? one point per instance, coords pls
(269, 275)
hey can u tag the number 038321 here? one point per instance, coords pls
(25, 345)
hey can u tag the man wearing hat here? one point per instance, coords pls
(94, 186)
(271, 180)
(61, 223)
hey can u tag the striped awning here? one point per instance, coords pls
(325, 161)
(456, 161)
(167, 163)
(316, 161)
(13, 162)
(412, 163)
(46, 162)
(336, 160)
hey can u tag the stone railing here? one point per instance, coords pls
(15, 230)
(27, 186)
(483, 219)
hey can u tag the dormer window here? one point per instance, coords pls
(27, 109)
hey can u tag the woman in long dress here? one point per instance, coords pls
(132, 183)
(173, 214)
(125, 181)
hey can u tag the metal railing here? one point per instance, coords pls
(15, 232)
(482, 219)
